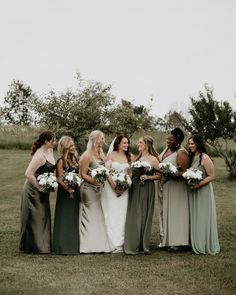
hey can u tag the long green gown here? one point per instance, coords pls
(173, 209)
(66, 220)
(203, 223)
(139, 215)
(35, 233)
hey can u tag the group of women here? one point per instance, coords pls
(96, 218)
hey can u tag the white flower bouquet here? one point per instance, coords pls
(47, 181)
(72, 179)
(167, 169)
(192, 176)
(121, 180)
(100, 174)
(143, 166)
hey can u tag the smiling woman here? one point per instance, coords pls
(141, 199)
(203, 224)
(35, 236)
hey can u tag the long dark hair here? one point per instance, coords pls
(198, 140)
(116, 146)
(44, 136)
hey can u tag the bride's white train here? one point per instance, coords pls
(115, 204)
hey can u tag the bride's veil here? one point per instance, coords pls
(111, 147)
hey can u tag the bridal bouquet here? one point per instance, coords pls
(100, 174)
(47, 181)
(143, 166)
(72, 179)
(192, 176)
(167, 169)
(121, 180)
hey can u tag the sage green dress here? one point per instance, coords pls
(173, 209)
(66, 220)
(204, 233)
(139, 215)
(93, 234)
(35, 233)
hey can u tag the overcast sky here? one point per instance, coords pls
(165, 49)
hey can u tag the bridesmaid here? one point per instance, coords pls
(141, 201)
(93, 235)
(173, 204)
(204, 234)
(66, 220)
(35, 234)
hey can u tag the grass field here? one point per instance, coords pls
(159, 273)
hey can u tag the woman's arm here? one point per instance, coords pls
(182, 161)
(156, 176)
(210, 171)
(84, 166)
(36, 162)
(59, 174)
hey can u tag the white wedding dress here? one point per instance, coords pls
(115, 209)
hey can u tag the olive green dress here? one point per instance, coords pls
(204, 233)
(66, 220)
(93, 233)
(173, 209)
(139, 215)
(35, 233)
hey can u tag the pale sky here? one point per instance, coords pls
(165, 49)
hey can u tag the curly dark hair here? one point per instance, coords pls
(178, 134)
(44, 136)
(116, 146)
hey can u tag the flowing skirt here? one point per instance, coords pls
(204, 233)
(35, 234)
(139, 217)
(66, 223)
(115, 211)
(93, 234)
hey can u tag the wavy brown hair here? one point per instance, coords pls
(149, 142)
(44, 136)
(63, 148)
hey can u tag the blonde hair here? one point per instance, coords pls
(148, 140)
(93, 138)
(64, 145)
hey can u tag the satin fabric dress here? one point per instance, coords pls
(35, 233)
(173, 208)
(115, 209)
(203, 223)
(93, 233)
(139, 215)
(66, 220)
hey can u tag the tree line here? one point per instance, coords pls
(92, 105)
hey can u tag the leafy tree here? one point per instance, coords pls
(127, 118)
(17, 104)
(216, 121)
(91, 106)
(76, 112)
(171, 120)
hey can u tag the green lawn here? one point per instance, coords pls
(159, 273)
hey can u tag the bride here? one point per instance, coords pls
(115, 202)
